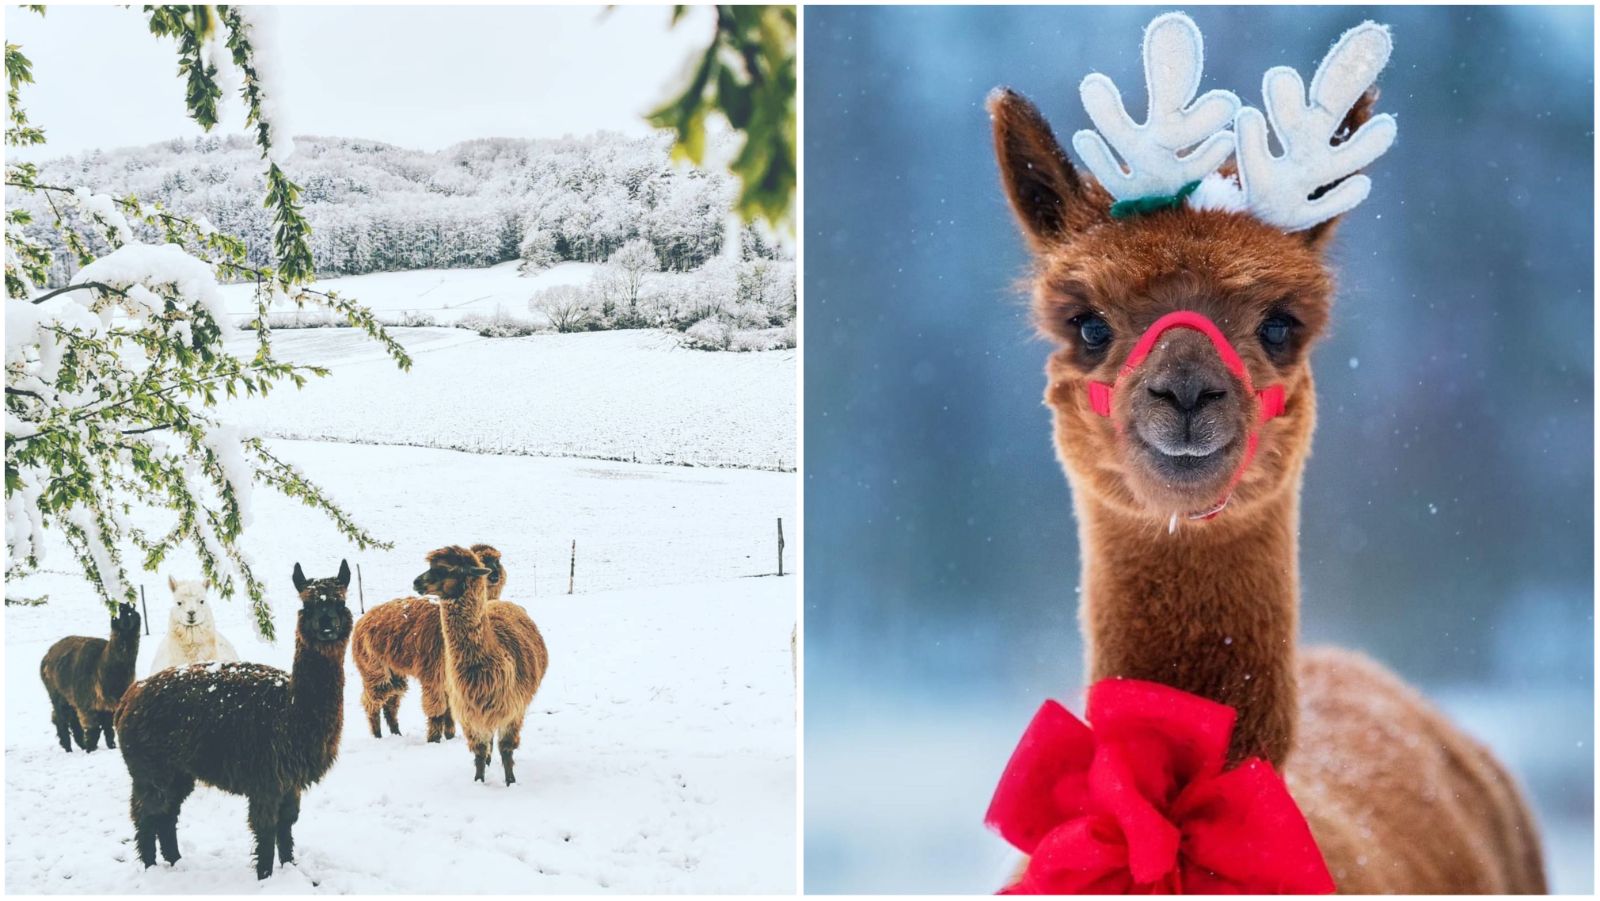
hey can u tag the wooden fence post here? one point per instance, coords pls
(572, 569)
(780, 545)
(361, 590)
(144, 609)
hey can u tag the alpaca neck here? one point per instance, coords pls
(121, 653)
(1210, 609)
(316, 688)
(466, 631)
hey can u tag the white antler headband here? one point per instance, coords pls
(1275, 189)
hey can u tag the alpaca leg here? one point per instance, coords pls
(90, 726)
(109, 728)
(167, 824)
(61, 714)
(449, 724)
(376, 695)
(76, 725)
(288, 812)
(264, 823)
(435, 703)
(510, 738)
(391, 714)
(480, 744)
(154, 809)
(145, 809)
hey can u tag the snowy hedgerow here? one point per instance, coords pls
(499, 324)
(113, 376)
(710, 333)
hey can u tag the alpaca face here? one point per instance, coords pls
(1179, 422)
(450, 573)
(190, 612)
(490, 557)
(324, 616)
(127, 621)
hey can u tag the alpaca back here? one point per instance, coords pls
(495, 684)
(229, 725)
(88, 672)
(522, 643)
(1398, 798)
(400, 636)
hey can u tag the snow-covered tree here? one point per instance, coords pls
(623, 278)
(570, 308)
(538, 249)
(113, 375)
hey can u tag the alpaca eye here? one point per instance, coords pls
(1275, 332)
(1094, 331)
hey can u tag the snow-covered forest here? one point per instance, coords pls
(660, 227)
(375, 207)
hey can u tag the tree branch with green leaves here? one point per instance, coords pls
(113, 380)
(748, 74)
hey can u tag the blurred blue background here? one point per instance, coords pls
(1447, 524)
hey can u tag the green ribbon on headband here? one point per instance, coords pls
(1138, 206)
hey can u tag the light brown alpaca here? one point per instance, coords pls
(1398, 799)
(494, 655)
(403, 638)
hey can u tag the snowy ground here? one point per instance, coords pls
(444, 294)
(660, 752)
(626, 395)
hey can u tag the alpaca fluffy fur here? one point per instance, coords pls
(1399, 799)
(495, 657)
(86, 677)
(402, 639)
(244, 728)
(192, 635)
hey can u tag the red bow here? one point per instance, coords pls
(1141, 805)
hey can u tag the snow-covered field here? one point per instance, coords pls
(626, 395)
(444, 294)
(660, 752)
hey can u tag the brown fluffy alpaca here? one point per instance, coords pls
(495, 657)
(245, 728)
(1398, 799)
(86, 677)
(403, 639)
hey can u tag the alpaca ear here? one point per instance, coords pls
(172, 583)
(299, 579)
(479, 571)
(344, 574)
(1049, 198)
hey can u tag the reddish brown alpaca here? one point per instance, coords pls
(1398, 799)
(495, 657)
(402, 638)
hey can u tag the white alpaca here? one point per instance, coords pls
(192, 635)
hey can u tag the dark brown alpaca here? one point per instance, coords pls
(85, 678)
(245, 728)
(1398, 799)
(403, 638)
(495, 657)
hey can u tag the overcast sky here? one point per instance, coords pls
(421, 76)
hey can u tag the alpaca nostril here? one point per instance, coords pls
(1187, 391)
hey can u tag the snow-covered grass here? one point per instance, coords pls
(624, 395)
(444, 294)
(659, 754)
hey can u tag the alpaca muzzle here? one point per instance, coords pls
(1269, 400)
